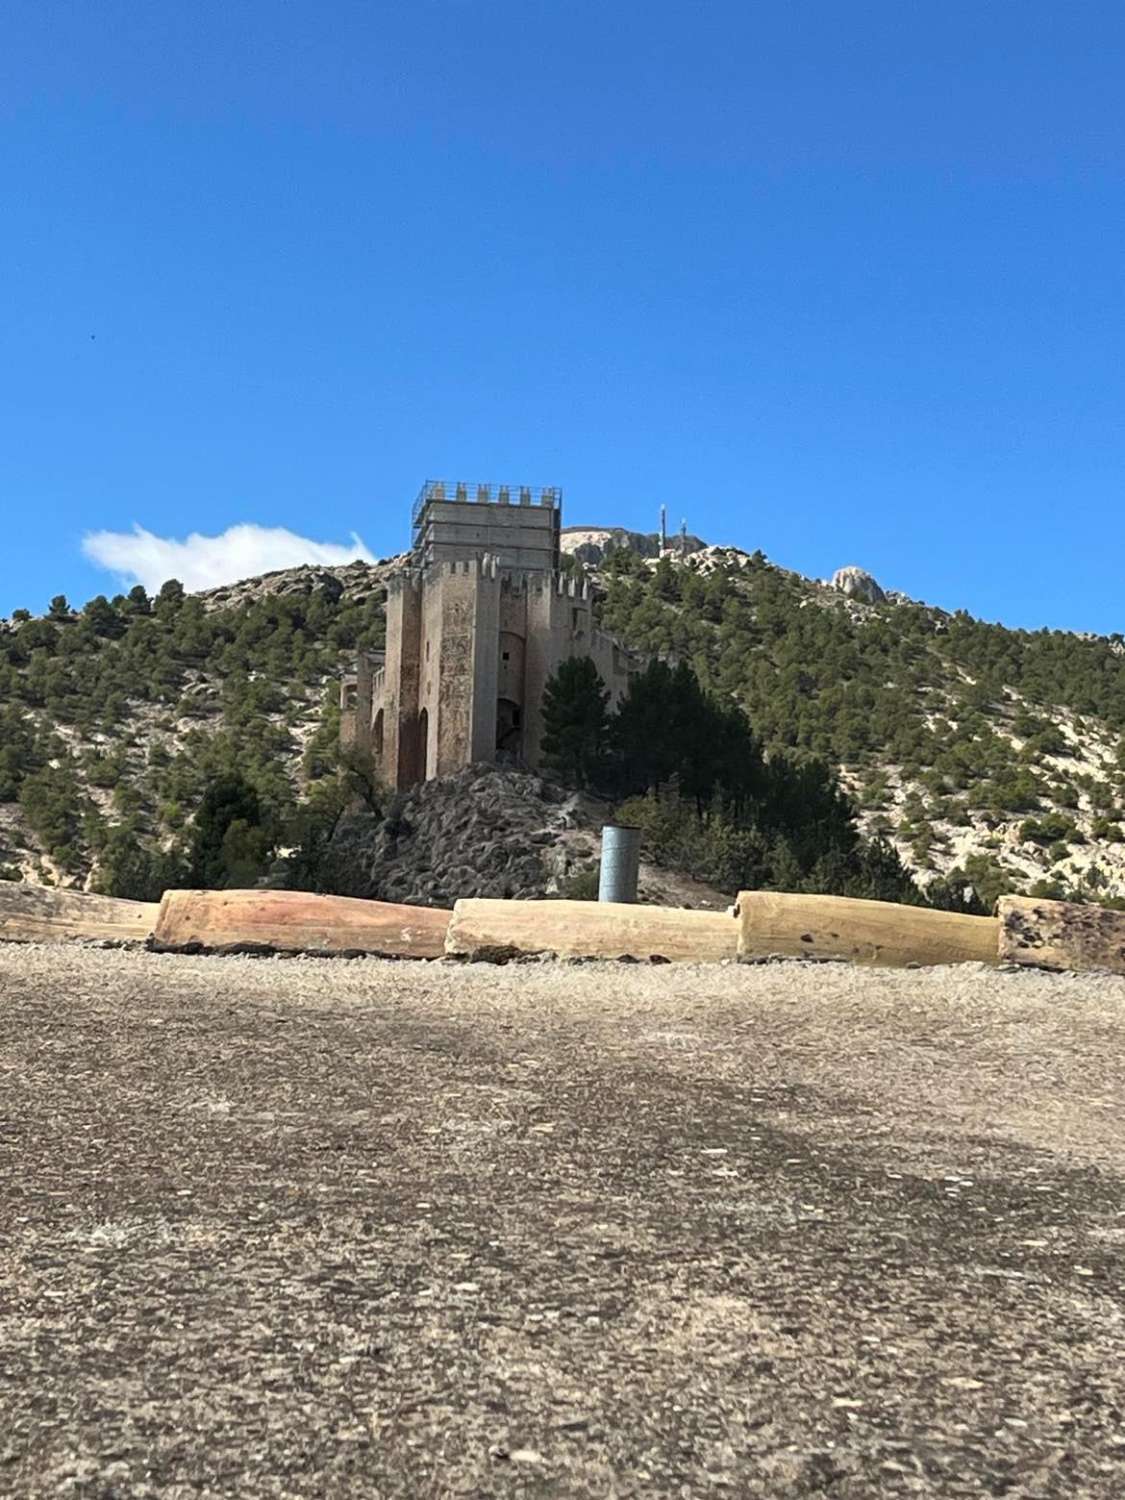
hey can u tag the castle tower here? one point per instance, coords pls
(516, 525)
(475, 626)
(395, 740)
(459, 658)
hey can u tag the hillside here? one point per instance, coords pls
(977, 750)
(972, 747)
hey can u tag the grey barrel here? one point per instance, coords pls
(621, 858)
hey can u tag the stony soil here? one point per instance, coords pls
(481, 832)
(488, 831)
(302, 1228)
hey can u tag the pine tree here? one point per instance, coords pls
(575, 721)
(644, 749)
(229, 803)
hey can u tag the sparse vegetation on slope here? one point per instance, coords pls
(986, 756)
(951, 733)
(118, 718)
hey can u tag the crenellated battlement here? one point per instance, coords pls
(512, 581)
(406, 579)
(470, 567)
(459, 491)
(519, 525)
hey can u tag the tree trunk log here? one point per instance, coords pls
(589, 929)
(772, 924)
(1061, 934)
(296, 922)
(44, 914)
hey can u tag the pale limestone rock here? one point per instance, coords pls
(857, 583)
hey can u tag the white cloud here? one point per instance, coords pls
(205, 562)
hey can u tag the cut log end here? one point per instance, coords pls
(1038, 933)
(46, 914)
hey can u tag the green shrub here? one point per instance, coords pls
(1051, 828)
(581, 886)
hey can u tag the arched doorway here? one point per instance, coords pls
(509, 732)
(377, 736)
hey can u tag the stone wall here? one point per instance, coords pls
(402, 751)
(521, 536)
(561, 626)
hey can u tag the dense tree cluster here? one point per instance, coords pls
(818, 677)
(689, 770)
(938, 697)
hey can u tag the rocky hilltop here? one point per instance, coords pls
(356, 581)
(591, 544)
(973, 748)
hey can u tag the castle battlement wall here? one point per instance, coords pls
(460, 492)
(472, 567)
(405, 578)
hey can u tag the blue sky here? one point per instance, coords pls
(840, 281)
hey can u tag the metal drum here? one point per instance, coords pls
(621, 858)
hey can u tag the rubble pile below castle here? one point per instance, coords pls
(484, 831)
(489, 831)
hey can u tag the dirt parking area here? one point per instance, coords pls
(310, 1228)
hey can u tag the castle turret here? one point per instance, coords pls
(517, 525)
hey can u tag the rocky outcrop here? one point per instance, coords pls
(589, 544)
(356, 580)
(482, 832)
(857, 583)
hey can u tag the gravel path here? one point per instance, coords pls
(302, 1228)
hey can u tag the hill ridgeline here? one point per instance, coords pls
(983, 754)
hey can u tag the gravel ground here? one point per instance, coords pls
(304, 1228)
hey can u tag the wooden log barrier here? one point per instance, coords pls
(772, 924)
(44, 914)
(1061, 934)
(484, 929)
(296, 922)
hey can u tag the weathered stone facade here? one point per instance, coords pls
(475, 627)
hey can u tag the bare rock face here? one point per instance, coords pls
(482, 832)
(589, 544)
(857, 583)
(357, 580)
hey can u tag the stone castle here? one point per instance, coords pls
(476, 624)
